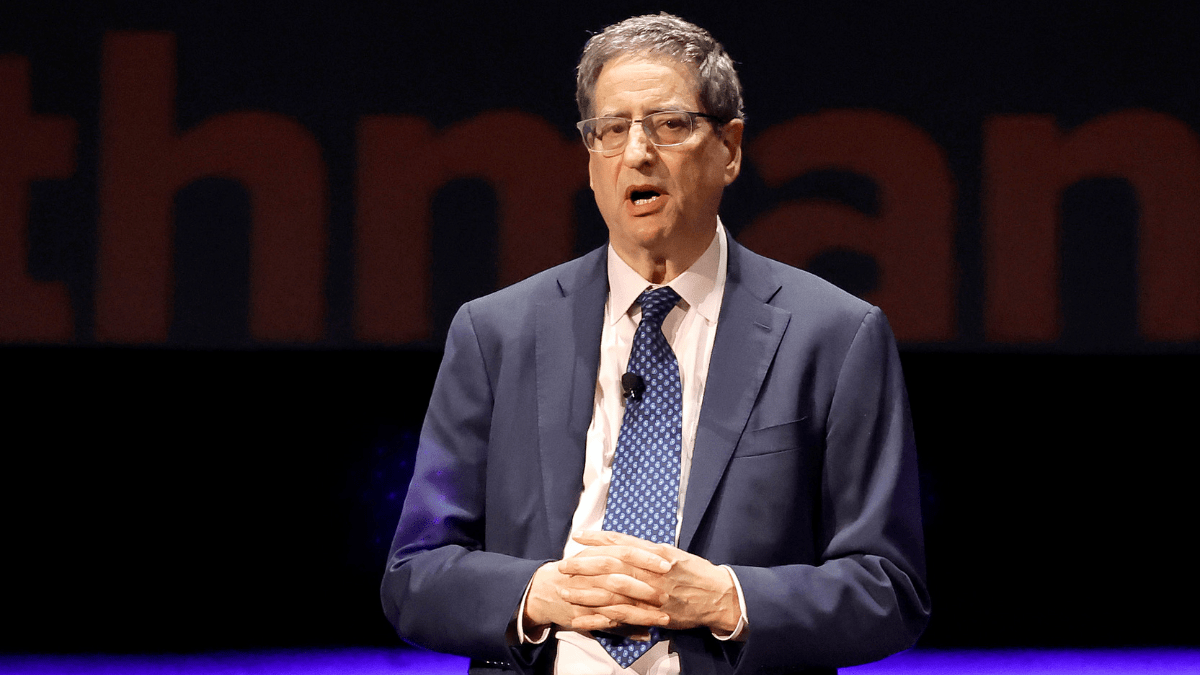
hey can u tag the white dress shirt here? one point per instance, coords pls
(690, 329)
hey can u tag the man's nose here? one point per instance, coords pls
(638, 149)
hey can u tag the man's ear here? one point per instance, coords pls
(731, 138)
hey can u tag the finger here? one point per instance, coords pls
(594, 622)
(648, 587)
(612, 591)
(621, 617)
(597, 622)
(603, 539)
(630, 582)
(615, 560)
(611, 538)
(632, 550)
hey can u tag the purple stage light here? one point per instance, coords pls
(401, 661)
(1035, 662)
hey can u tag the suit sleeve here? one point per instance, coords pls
(866, 597)
(441, 589)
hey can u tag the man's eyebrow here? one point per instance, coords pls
(601, 113)
(649, 111)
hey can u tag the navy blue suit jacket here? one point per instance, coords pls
(803, 479)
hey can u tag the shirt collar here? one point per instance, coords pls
(695, 285)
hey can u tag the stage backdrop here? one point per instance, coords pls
(232, 236)
(254, 174)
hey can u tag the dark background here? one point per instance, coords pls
(214, 493)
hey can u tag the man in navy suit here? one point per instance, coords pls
(797, 543)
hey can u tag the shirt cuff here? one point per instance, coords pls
(743, 623)
(523, 639)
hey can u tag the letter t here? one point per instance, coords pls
(32, 147)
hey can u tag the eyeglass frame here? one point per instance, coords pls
(692, 115)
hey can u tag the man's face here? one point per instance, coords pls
(660, 201)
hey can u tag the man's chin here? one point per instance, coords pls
(647, 236)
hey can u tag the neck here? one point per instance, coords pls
(661, 268)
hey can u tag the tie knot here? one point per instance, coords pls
(656, 304)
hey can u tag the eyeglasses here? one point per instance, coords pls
(610, 134)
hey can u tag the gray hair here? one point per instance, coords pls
(665, 35)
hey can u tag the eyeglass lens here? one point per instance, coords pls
(662, 128)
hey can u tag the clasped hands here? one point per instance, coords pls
(625, 585)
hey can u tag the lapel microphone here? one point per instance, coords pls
(632, 385)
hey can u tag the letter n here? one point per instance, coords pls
(402, 162)
(1028, 163)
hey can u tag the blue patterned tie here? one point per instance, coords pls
(643, 498)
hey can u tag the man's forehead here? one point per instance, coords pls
(652, 80)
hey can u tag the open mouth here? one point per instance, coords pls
(641, 197)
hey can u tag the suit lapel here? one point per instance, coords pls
(568, 357)
(748, 335)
